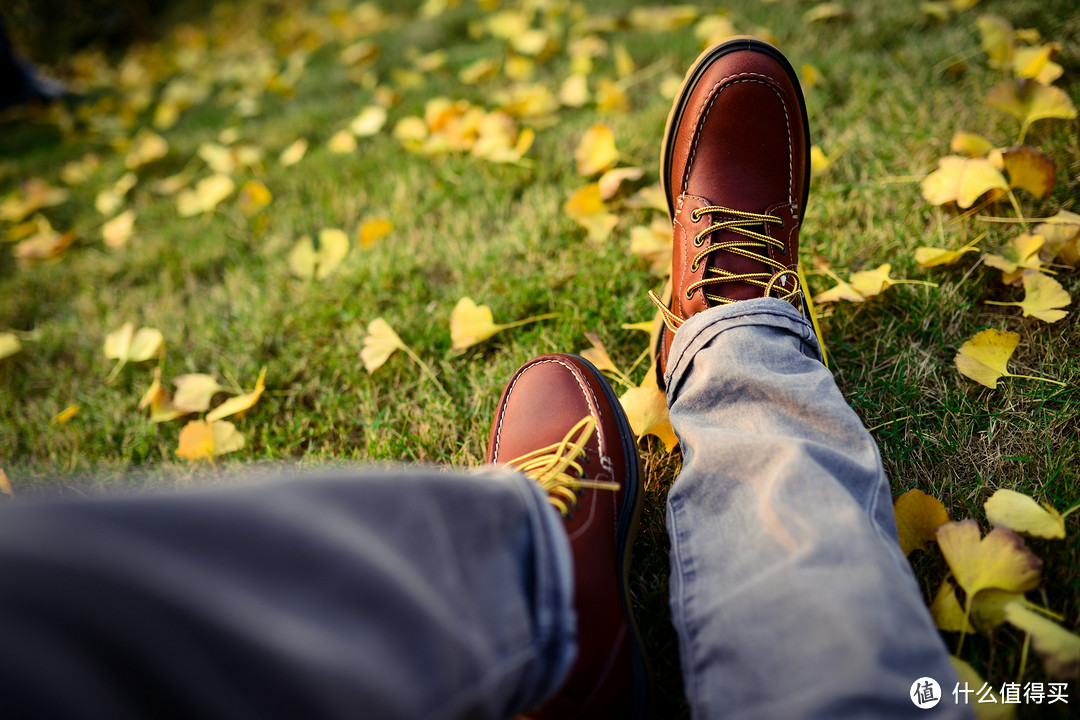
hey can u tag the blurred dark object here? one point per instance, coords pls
(20, 82)
(49, 31)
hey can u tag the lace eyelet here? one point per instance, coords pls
(695, 215)
(689, 295)
(698, 241)
(694, 266)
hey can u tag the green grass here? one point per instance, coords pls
(219, 288)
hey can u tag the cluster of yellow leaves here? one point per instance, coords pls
(863, 285)
(450, 126)
(994, 571)
(199, 439)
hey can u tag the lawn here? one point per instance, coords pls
(888, 85)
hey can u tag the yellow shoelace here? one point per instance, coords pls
(739, 224)
(557, 470)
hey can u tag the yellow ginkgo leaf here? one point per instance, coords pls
(947, 611)
(147, 147)
(928, 257)
(1058, 648)
(480, 70)
(1029, 101)
(201, 440)
(963, 181)
(1019, 512)
(970, 144)
(1021, 253)
(653, 243)
(869, 283)
(369, 122)
(240, 403)
(309, 262)
(172, 184)
(611, 98)
(471, 324)
(841, 291)
(34, 195)
(379, 344)
(45, 244)
(997, 39)
(117, 231)
(1000, 560)
(62, 417)
(1061, 233)
(108, 201)
(646, 409)
(207, 195)
(918, 516)
(985, 358)
(1035, 63)
(650, 197)
(372, 231)
(159, 401)
(586, 208)
(294, 153)
(1043, 298)
(125, 345)
(194, 391)
(220, 158)
(9, 344)
(826, 11)
(598, 356)
(342, 142)
(713, 29)
(596, 152)
(5, 485)
(612, 180)
(1029, 169)
(254, 196)
(574, 92)
(988, 608)
(819, 161)
(656, 18)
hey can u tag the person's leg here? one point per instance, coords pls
(789, 591)
(390, 595)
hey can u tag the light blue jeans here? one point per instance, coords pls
(419, 594)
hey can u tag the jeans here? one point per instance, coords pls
(424, 594)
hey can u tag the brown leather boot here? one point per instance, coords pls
(560, 423)
(736, 170)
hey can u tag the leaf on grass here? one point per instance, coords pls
(254, 196)
(985, 357)
(1043, 298)
(650, 197)
(240, 403)
(109, 201)
(612, 180)
(1029, 101)
(988, 608)
(471, 324)
(308, 262)
(598, 356)
(1058, 648)
(656, 18)
(480, 70)
(372, 231)
(611, 98)
(1061, 233)
(369, 122)
(1021, 253)
(35, 194)
(62, 417)
(1019, 512)
(1000, 560)
(586, 207)
(379, 344)
(125, 345)
(342, 142)
(194, 391)
(117, 232)
(928, 257)
(596, 152)
(963, 181)
(1028, 168)
(201, 440)
(826, 11)
(9, 344)
(205, 197)
(574, 92)
(997, 40)
(947, 611)
(1035, 63)
(294, 153)
(653, 243)
(841, 291)
(646, 409)
(820, 163)
(970, 144)
(45, 244)
(918, 516)
(159, 401)
(147, 147)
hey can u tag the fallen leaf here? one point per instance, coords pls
(194, 392)
(596, 152)
(76, 172)
(841, 291)
(342, 142)
(928, 257)
(9, 344)
(35, 194)
(1028, 169)
(379, 344)
(985, 357)
(646, 409)
(574, 91)
(159, 401)
(651, 197)
(1035, 63)
(369, 122)
(172, 184)
(147, 147)
(308, 262)
(598, 356)
(656, 18)
(240, 403)
(372, 231)
(480, 70)
(254, 196)
(1016, 511)
(294, 153)
(826, 11)
(653, 243)
(125, 345)
(45, 244)
(962, 180)
(109, 201)
(869, 283)
(1060, 233)
(586, 208)
(1000, 560)
(117, 231)
(1043, 298)
(970, 144)
(1020, 254)
(918, 516)
(611, 98)
(62, 417)
(207, 195)
(201, 440)
(612, 180)
(988, 608)
(947, 611)
(1029, 101)
(471, 324)
(997, 40)
(1058, 648)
